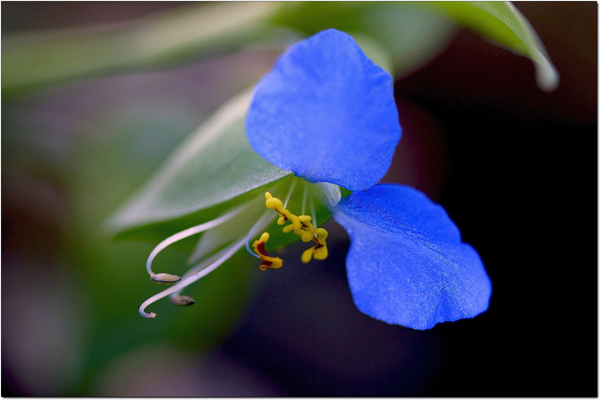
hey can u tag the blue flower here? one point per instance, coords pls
(326, 113)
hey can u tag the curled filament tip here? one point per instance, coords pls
(224, 255)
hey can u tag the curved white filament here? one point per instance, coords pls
(312, 210)
(222, 235)
(287, 198)
(304, 194)
(189, 232)
(199, 267)
(185, 282)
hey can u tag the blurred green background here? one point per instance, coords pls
(479, 137)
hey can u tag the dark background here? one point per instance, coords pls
(523, 188)
(516, 169)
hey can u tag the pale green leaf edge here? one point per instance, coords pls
(547, 76)
(517, 34)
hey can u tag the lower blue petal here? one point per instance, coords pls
(406, 264)
(326, 112)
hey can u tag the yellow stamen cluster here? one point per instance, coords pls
(301, 226)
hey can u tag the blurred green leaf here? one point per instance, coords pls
(215, 165)
(504, 25)
(411, 33)
(409, 36)
(415, 32)
(39, 58)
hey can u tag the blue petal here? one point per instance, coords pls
(406, 264)
(327, 113)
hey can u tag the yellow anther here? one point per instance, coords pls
(307, 255)
(284, 214)
(268, 261)
(321, 238)
(322, 234)
(319, 251)
(307, 233)
(273, 202)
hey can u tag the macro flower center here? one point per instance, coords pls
(301, 226)
(304, 226)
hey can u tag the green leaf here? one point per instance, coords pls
(409, 37)
(412, 36)
(411, 33)
(415, 32)
(33, 59)
(504, 25)
(215, 165)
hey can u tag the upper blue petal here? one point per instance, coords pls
(406, 264)
(326, 112)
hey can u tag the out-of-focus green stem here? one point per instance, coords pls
(39, 58)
